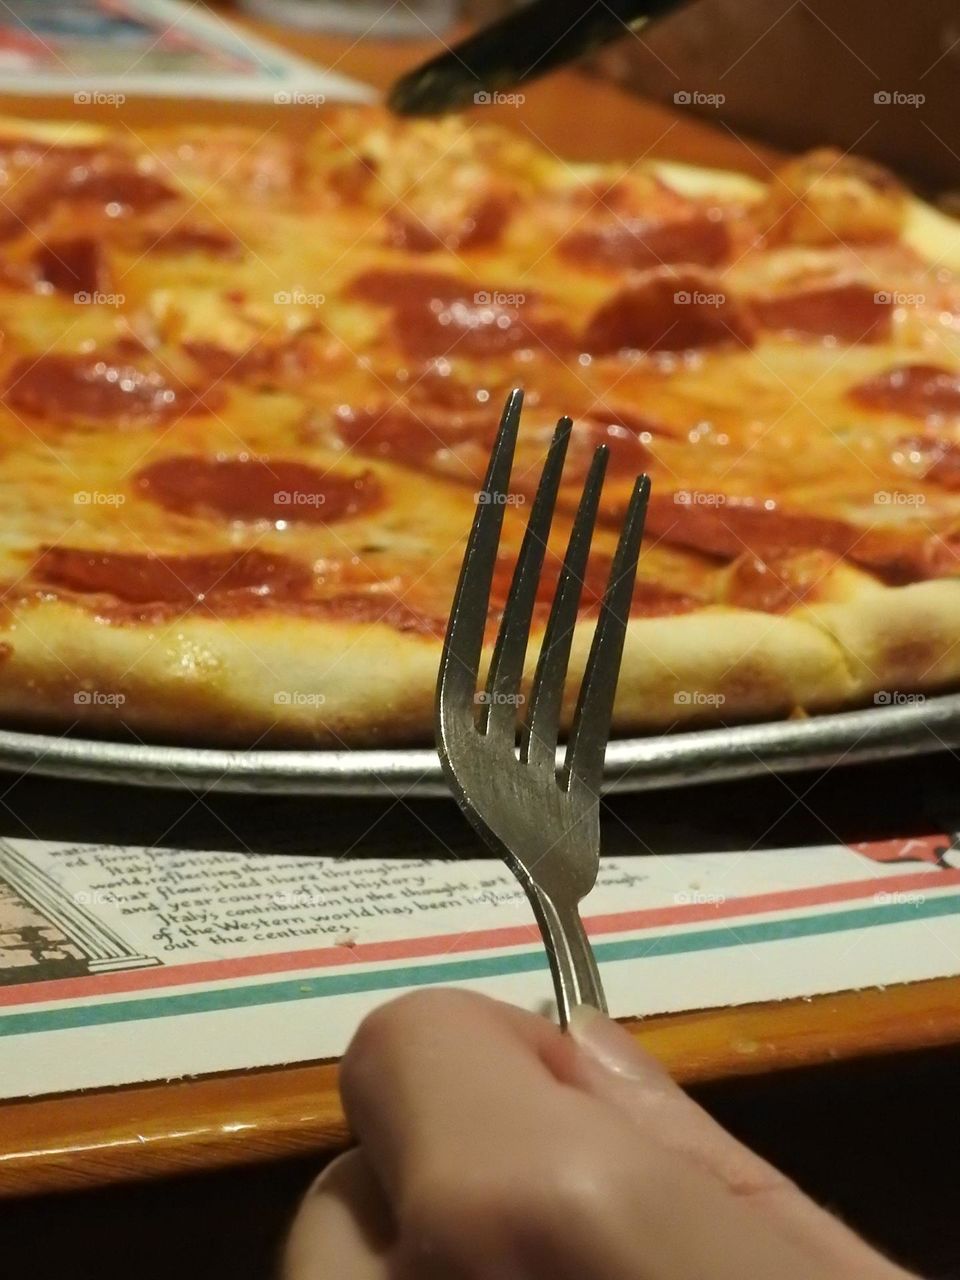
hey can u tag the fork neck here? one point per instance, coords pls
(573, 966)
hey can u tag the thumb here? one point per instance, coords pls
(343, 1229)
(604, 1060)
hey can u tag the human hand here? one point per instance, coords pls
(495, 1147)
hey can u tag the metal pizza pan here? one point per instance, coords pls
(633, 764)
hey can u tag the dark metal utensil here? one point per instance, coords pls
(545, 823)
(877, 77)
(520, 47)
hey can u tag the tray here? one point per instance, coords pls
(633, 764)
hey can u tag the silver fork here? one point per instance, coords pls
(543, 820)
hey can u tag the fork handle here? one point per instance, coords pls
(576, 978)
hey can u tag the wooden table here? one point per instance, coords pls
(137, 1132)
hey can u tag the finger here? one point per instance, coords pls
(674, 1220)
(343, 1228)
(414, 1062)
(604, 1060)
(492, 1162)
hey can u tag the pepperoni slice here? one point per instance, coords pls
(477, 228)
(666, 310)
(89, 386)
(650, 599)
(591, 596)
(209, 241)
(777, 583)
(938, 460)
(456, 444)
(915, 390)
(726, 528)
(30, 208)
(373, 606)
(25, 152)
(637, 423)
(172, 580)
(273, 489)
(629, 454)
(436, 314)
(97, 179)
(118, 188)
(131, 587)
(654, 600)
(72, 266)
(944, 468)
(407, 435)
(265, 363)
(848, 312)
(438, 388)
(942, 553)
(702, 239)
(392, 286)
(476, 329)
(351, 182)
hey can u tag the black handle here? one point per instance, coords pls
(522, 46)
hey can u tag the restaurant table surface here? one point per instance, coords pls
(107, 1136)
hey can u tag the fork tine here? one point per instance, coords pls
(463, 643)
(587, 746)
(540, 732)
(506, 665)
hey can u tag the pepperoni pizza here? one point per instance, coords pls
(249, 384)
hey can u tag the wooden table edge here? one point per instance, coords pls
(147, 1131)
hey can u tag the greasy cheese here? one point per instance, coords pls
(217, 316)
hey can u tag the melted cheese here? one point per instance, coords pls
(275, 330)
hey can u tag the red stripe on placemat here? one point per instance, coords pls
(474, 940)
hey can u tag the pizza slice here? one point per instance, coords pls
(249, 385)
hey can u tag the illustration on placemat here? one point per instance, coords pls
(46, 932)
(104, 51)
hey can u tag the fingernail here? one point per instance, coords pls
(611, 1046)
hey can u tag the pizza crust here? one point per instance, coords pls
(287, 681)
(900, 641)
(935, 236)
(266, 681)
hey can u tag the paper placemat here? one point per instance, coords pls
(102, 51)
(121, 964)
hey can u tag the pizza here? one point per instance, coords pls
(249, 382)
